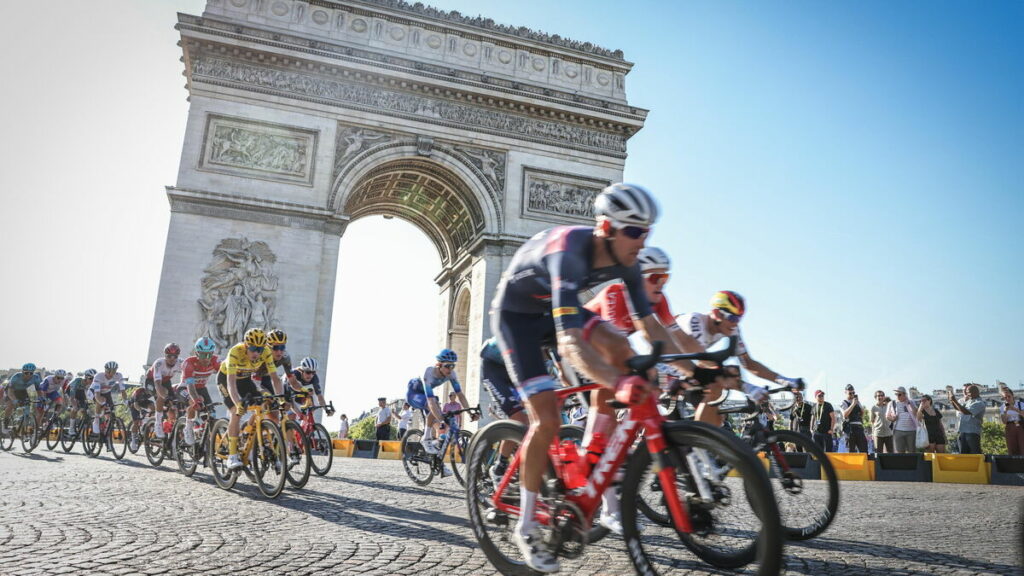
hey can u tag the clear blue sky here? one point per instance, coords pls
(853, 169)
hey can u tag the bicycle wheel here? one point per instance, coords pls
(457, 455)
(218, 454)
(185, 455)
(270, 463)
(69, 436)
(7, 433)
(90, 440)
(29, 432)
(321, 450)
(298, 472)
(117, 438)
(417, 463)
(808, 495)
(735, 518)
(154, 445)
(134, 440)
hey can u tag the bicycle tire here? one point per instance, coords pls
(321, 450)
(69, 437)
(217, 449)
(29, 433)
(153, 444)
(117, 431)
(7, 433)
(185, 455)
(457, 455)
(135, 440)
(54, 429)
(297, 474)
(821, 495)
(417, 463)
(90, 440)
(270, 459)
(649, 549)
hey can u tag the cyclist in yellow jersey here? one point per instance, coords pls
(235, 380)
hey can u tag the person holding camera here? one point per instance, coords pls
(932, 420)
(853, 422)
(880, 427)
(972, 413)
(1011, 415)
(902, 414)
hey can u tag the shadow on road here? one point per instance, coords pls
(403, 489)
(884, 551)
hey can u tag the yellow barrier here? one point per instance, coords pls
(960, 468)
(761, 457)
(390, 450)
(851, 466)
(343, 448)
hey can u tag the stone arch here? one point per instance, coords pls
(459, 327)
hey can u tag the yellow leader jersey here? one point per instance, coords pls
(238, 362)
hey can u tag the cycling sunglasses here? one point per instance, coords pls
(171, 355)
(655, 278)
(731, 317)
(204, 355)
(255, 348)
(278, 347)
(447, 365)
(635, 232)
(309, 371)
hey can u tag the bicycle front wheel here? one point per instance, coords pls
(218, 455)
(808, 494)
(117, 438)
(321, 450)
(298, 463)
(154, 445)
(54, 429)
(70, 436)
(185, 454)
(29, 432)
(270, 461)
(458, 455)
(417, 463)
(7, 433)
(726, 495)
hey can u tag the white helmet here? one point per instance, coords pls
(59, 373)
(308, 364)
(652, 258)
(626, 205)
(110, 366)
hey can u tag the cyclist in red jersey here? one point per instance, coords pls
(194, 374)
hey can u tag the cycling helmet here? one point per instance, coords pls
(90, 373)
(728, 301)
(110, 365)
(276, 337)
(60, 373)
(652, 258)
(626, 205)
(308, 364)
(205, 346)
(172, 348)
(255, 337)
(447, 356)
(28, 367)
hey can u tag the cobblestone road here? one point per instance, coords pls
(68, 514)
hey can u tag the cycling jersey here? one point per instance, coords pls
(314, 383)
(192, 372)
(697, 325)
(76, 385)
(140, 396)
(161, 372)
(50, 389)
(612, 305)
(103, 385)
(494, 377)
(20, 383)
(238, 362)
(421, 389)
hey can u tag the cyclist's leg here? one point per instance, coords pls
(505, 402)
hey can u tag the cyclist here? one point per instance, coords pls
(101, 391)
(235, 380)
(505, 401)
(139, 400)
(195, 371)
(18, 385)
(420, 395)
(727, 309)
(52, 390)
(536, 305)
(77, 393)
(158, 380)
(277, 339)
(309, 383)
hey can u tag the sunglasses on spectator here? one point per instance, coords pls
(657, 277)
(447, 365)
(255, 348)
(901, 394)
(278, 347)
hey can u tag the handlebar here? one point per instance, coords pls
(639, 365)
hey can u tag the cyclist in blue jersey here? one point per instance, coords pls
(421, 395)
(536, 306)
(18, 385)
(52, 389)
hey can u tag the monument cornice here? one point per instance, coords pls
(516, 88)
(221, 205)
(369, 92)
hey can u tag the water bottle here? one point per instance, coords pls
(595, 449)
(574, 475)
(168, 425)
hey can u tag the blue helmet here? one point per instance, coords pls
(447, 356)
(28, 367)
(205, 346)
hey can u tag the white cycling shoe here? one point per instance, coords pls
(189, 434)
(431, 446)
(535, 552)
(234, 462)
(613, 522)
(445, 471)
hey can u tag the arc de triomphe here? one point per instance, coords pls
(308, 114)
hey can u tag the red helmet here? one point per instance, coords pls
(729, 301)
(172, 348)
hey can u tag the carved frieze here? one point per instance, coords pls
(557, 196)
(299, 84)
(489, 162)
(351, 140)
(258, 149)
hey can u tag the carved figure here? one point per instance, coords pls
(356, 140)
(238, 291)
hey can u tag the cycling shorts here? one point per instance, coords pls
(108, 397)
(53, 396)
(503, 392)
(246, 387)
(20, 395)
(267, 384)
(80, 397)
(416, 397)
(523, 337)
(136, 409)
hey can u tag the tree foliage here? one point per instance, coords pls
(366, 429)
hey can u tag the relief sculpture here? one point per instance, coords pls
(352, 140)
(239, 291)
(251, 148)
(556, 196)
(489, 162)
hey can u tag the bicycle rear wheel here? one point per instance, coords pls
(298, 473)
(52, 432)
(70, 436)
(457, 455)
(90, 440)
(29, 432)
(270, 462)
(417, 463)
(117, 438)
(135, 440)
(735, 522)
(154, 445)
(218, 454)
(7, 433)
(808, 495)
(185, 454)
(321, 450)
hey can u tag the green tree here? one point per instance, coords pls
(366, 429)
(993, 439)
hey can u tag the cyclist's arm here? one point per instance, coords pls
(435, 409)
(584, 357)
(653, 331)
(758, 369)
(193, 392)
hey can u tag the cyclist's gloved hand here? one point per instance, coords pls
(754, 392)
(630, 389)
(239, 409)
(329, 410)
(474, 415)
(197, 404)
(797, 384)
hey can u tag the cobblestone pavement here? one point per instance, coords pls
(69, 514)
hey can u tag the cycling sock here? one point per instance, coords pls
(528, 505)
(159, 425)
(602, 424)
(96, 425)
(610, 502)
(232, 445)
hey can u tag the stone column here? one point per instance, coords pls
(321, 337)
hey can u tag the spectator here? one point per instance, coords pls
(853, 418)
(1010, 414)
(453, 406)
(383, 420)
(901, 414)
(343, 428)
(800, 415)
(972, 412)
(880, 428)
(404, 420)
(823, 422)
(932, 420)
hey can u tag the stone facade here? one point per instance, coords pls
(307, 114)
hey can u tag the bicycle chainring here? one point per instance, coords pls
(568, 536)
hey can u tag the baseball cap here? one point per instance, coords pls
(819, 393)
(849, 387)
(382, 399)
(900, 389)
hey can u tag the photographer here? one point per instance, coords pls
(879, 426)
(853, 421)
(1011, 415)
(972, 412)
(824, 422)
